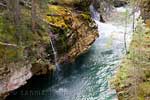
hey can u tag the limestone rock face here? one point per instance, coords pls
(13, 78)
(73, 33)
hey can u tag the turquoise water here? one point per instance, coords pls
(88, 77)
(88, 80)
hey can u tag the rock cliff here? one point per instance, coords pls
(73, 32)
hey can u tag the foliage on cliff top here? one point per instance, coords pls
(19, 42)
(62, 20)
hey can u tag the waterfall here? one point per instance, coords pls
(54, 52)
(95, 15)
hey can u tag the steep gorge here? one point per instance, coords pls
(53, 33)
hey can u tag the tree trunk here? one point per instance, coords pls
(33, 15)
(14, 12)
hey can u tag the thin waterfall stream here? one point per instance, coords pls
(88, 77)
(54, 52)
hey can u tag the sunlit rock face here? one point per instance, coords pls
(76, 31)
(13, 78)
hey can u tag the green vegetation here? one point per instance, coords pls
(132, 79)
(24, 39)
(22, 35)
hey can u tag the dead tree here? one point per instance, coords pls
(33, 13)
(15, 15)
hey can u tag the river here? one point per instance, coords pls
(88, 77)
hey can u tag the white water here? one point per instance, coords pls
(55, 54)
(115, 31)
(112, 36)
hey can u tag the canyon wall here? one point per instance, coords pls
(72, 32)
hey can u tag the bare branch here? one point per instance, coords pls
(8, 44)
(57, 15)
(3, 5)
